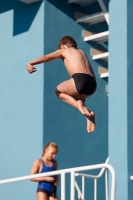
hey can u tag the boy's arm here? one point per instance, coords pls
(42, 59)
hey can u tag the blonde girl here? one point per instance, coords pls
(46, 189)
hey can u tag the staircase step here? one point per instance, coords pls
(103, 56)
(92, 19)
(82, 2)
(99, 37)
(104, 75)
(98, 54)
(103, 72)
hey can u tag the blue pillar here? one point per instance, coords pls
(121, 95)
(130, 95)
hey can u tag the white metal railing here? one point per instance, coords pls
(72, 172)
(81, 194)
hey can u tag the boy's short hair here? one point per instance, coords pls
(68, 41)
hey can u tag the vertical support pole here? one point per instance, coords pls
(62, 186)
(95, 189)
(113, 184)
(78, 195)
(106, 184)
(83, 187)
(72, 193)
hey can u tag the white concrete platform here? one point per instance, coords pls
(99, 37)
(92, 19)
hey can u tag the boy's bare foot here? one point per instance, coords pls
(90, 116)
(82, 108)
(91, 126)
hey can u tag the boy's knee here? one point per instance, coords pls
(57, 92)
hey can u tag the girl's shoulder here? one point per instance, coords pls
(36, 167)
(38, 161)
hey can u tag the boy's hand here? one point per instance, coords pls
(31, 69)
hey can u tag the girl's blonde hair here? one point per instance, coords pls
(50, 144)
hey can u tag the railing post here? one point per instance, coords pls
(80, 196)
(72, 192)
(83, 187)
(106, 184)
(113, 184)
(63, 186)
(95, 189)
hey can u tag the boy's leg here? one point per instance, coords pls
(91, 125)
(67, 92)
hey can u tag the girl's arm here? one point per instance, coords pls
(42, 59)
(35, 170)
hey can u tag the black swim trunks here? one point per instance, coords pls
(85, 83)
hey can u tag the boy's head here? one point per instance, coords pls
(67, 41)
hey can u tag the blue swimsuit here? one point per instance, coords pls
(48, 187)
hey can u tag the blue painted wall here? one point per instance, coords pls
(30, 114)
(62, 123)
(21, 95)
(120, 92)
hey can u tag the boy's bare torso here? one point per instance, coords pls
(76, 61)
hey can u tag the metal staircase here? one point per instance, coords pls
(97, 37)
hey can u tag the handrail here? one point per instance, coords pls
(81, 194)
(72, 171)
(94, 176)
